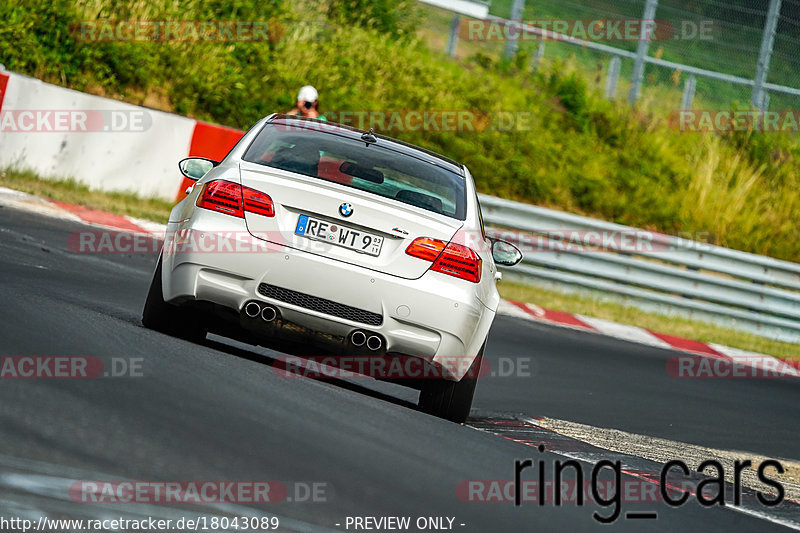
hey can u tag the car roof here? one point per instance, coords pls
(355, 134)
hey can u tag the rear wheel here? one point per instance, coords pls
(167, 318)
(451, 400)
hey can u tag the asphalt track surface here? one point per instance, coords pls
(220, 411)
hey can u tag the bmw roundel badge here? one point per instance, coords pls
(345, 209)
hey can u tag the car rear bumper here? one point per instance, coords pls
(436, 317)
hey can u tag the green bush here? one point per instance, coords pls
(397, 18)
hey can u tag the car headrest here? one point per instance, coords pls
(302, 159)
(419, 199)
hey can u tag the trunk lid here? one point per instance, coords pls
(395, 223)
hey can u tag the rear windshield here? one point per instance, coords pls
(373, 168)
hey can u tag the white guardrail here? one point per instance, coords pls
(653, 271)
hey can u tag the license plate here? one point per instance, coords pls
(335, 233)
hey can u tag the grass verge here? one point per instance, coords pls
(681, 327)
(72, 192)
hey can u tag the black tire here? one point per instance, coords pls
(161, 316)
(451, 400)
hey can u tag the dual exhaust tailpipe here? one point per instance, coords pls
(360, 338)
(268, 313)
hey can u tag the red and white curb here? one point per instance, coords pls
(768, 365)
(77, 213)
(764, 365)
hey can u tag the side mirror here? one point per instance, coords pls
(195, 168)
(505, 253)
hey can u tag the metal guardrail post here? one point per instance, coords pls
(515, 19)
(764, 55)
(537, 59)
(452, 43)
(688, 93)
(641, 51)
(613, 77)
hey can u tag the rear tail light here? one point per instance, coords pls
(426, 248)
(451, 259)
(459, 261)
(233, 199)
(223, 197)
(257, 202)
